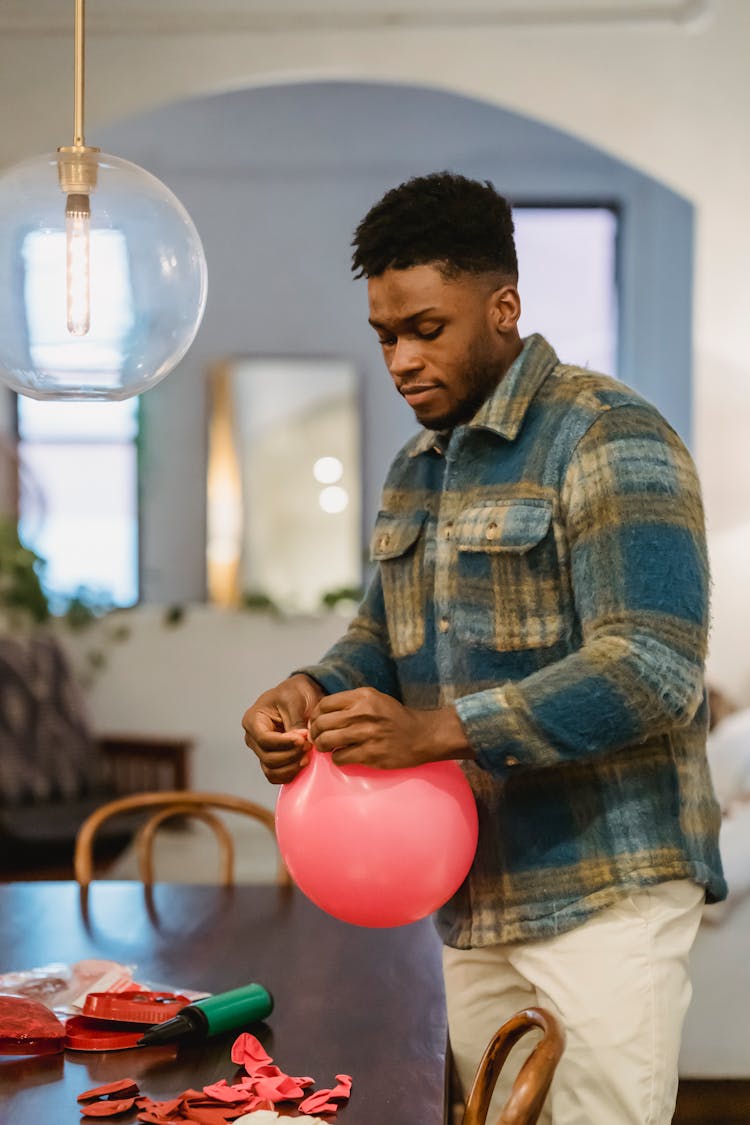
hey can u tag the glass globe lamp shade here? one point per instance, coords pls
(102, 289)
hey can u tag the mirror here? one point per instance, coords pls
(284, 489)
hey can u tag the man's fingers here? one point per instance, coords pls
(333, 720)
(339, 713)
(291, 718)
(276, 739)
(280, 776)
(338, 738)
(279, 758)
(282, 765)
(258, 722)
(339, 701)
(345, 756)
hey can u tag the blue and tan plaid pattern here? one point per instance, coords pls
(544, 569)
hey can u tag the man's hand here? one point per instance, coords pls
(276, 724)
(365, 727)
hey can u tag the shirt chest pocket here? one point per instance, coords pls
(508, 585)
(399, 549)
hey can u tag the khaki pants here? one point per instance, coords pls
(619, 984)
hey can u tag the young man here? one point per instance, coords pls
(539, 612)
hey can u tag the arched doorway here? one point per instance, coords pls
(276, 177)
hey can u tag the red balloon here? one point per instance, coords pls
(377, 847)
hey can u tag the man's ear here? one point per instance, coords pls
(505, 308)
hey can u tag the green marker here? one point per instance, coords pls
(225, 1012)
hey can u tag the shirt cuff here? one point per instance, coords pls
(501, 735)
(328, 680)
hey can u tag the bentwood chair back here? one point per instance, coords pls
(166, 805)
(532, 1084)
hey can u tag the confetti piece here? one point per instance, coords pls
(108, 1107)
(322, 1101)
(126, 1087)
(279, 1088)
(149, 1105)
(224, 1093)
(209, 1116)
(248, 1051)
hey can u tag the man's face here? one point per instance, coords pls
(447, 342)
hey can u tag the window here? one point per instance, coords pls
(568, 280)
(78, 460)
(78, 496)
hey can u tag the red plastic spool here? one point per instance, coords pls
(84, 1034)
(134, 1006)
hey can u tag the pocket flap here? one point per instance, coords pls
(514, 525)
(395, 533)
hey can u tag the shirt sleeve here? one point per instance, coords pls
(634, 524)
(362, 657)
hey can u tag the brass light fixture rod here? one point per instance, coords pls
(79, 73)
(77, 166)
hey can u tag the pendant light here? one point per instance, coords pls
(102, 272)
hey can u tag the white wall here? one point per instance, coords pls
(196, 679)
(670, 97)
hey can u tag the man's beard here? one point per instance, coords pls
(481, 377)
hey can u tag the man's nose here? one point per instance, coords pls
(405, 357)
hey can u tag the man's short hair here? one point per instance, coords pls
(458, 224)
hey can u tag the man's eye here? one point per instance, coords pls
(386, 341)
(430, 333)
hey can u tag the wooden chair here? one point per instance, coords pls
(166, 805)
(534, 1078)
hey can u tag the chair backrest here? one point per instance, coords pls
(167, 804)
(532, 1084)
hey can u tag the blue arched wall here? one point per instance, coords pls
(276, 178)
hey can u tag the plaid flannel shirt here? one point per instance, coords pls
(543, 569)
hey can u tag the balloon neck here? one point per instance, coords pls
(322, 762)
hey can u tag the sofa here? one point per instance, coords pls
(55, 769)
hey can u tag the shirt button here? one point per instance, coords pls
(383, 541)
(512, 761)
(491, 532)
(444, 624)
(448, 529)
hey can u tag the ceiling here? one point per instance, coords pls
(54, 17)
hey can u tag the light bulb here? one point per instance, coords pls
(328, 470)
(102, 277)
(333, 499)
(78, 264)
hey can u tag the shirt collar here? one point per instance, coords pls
(505, 409)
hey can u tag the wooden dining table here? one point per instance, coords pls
(348, 1000)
